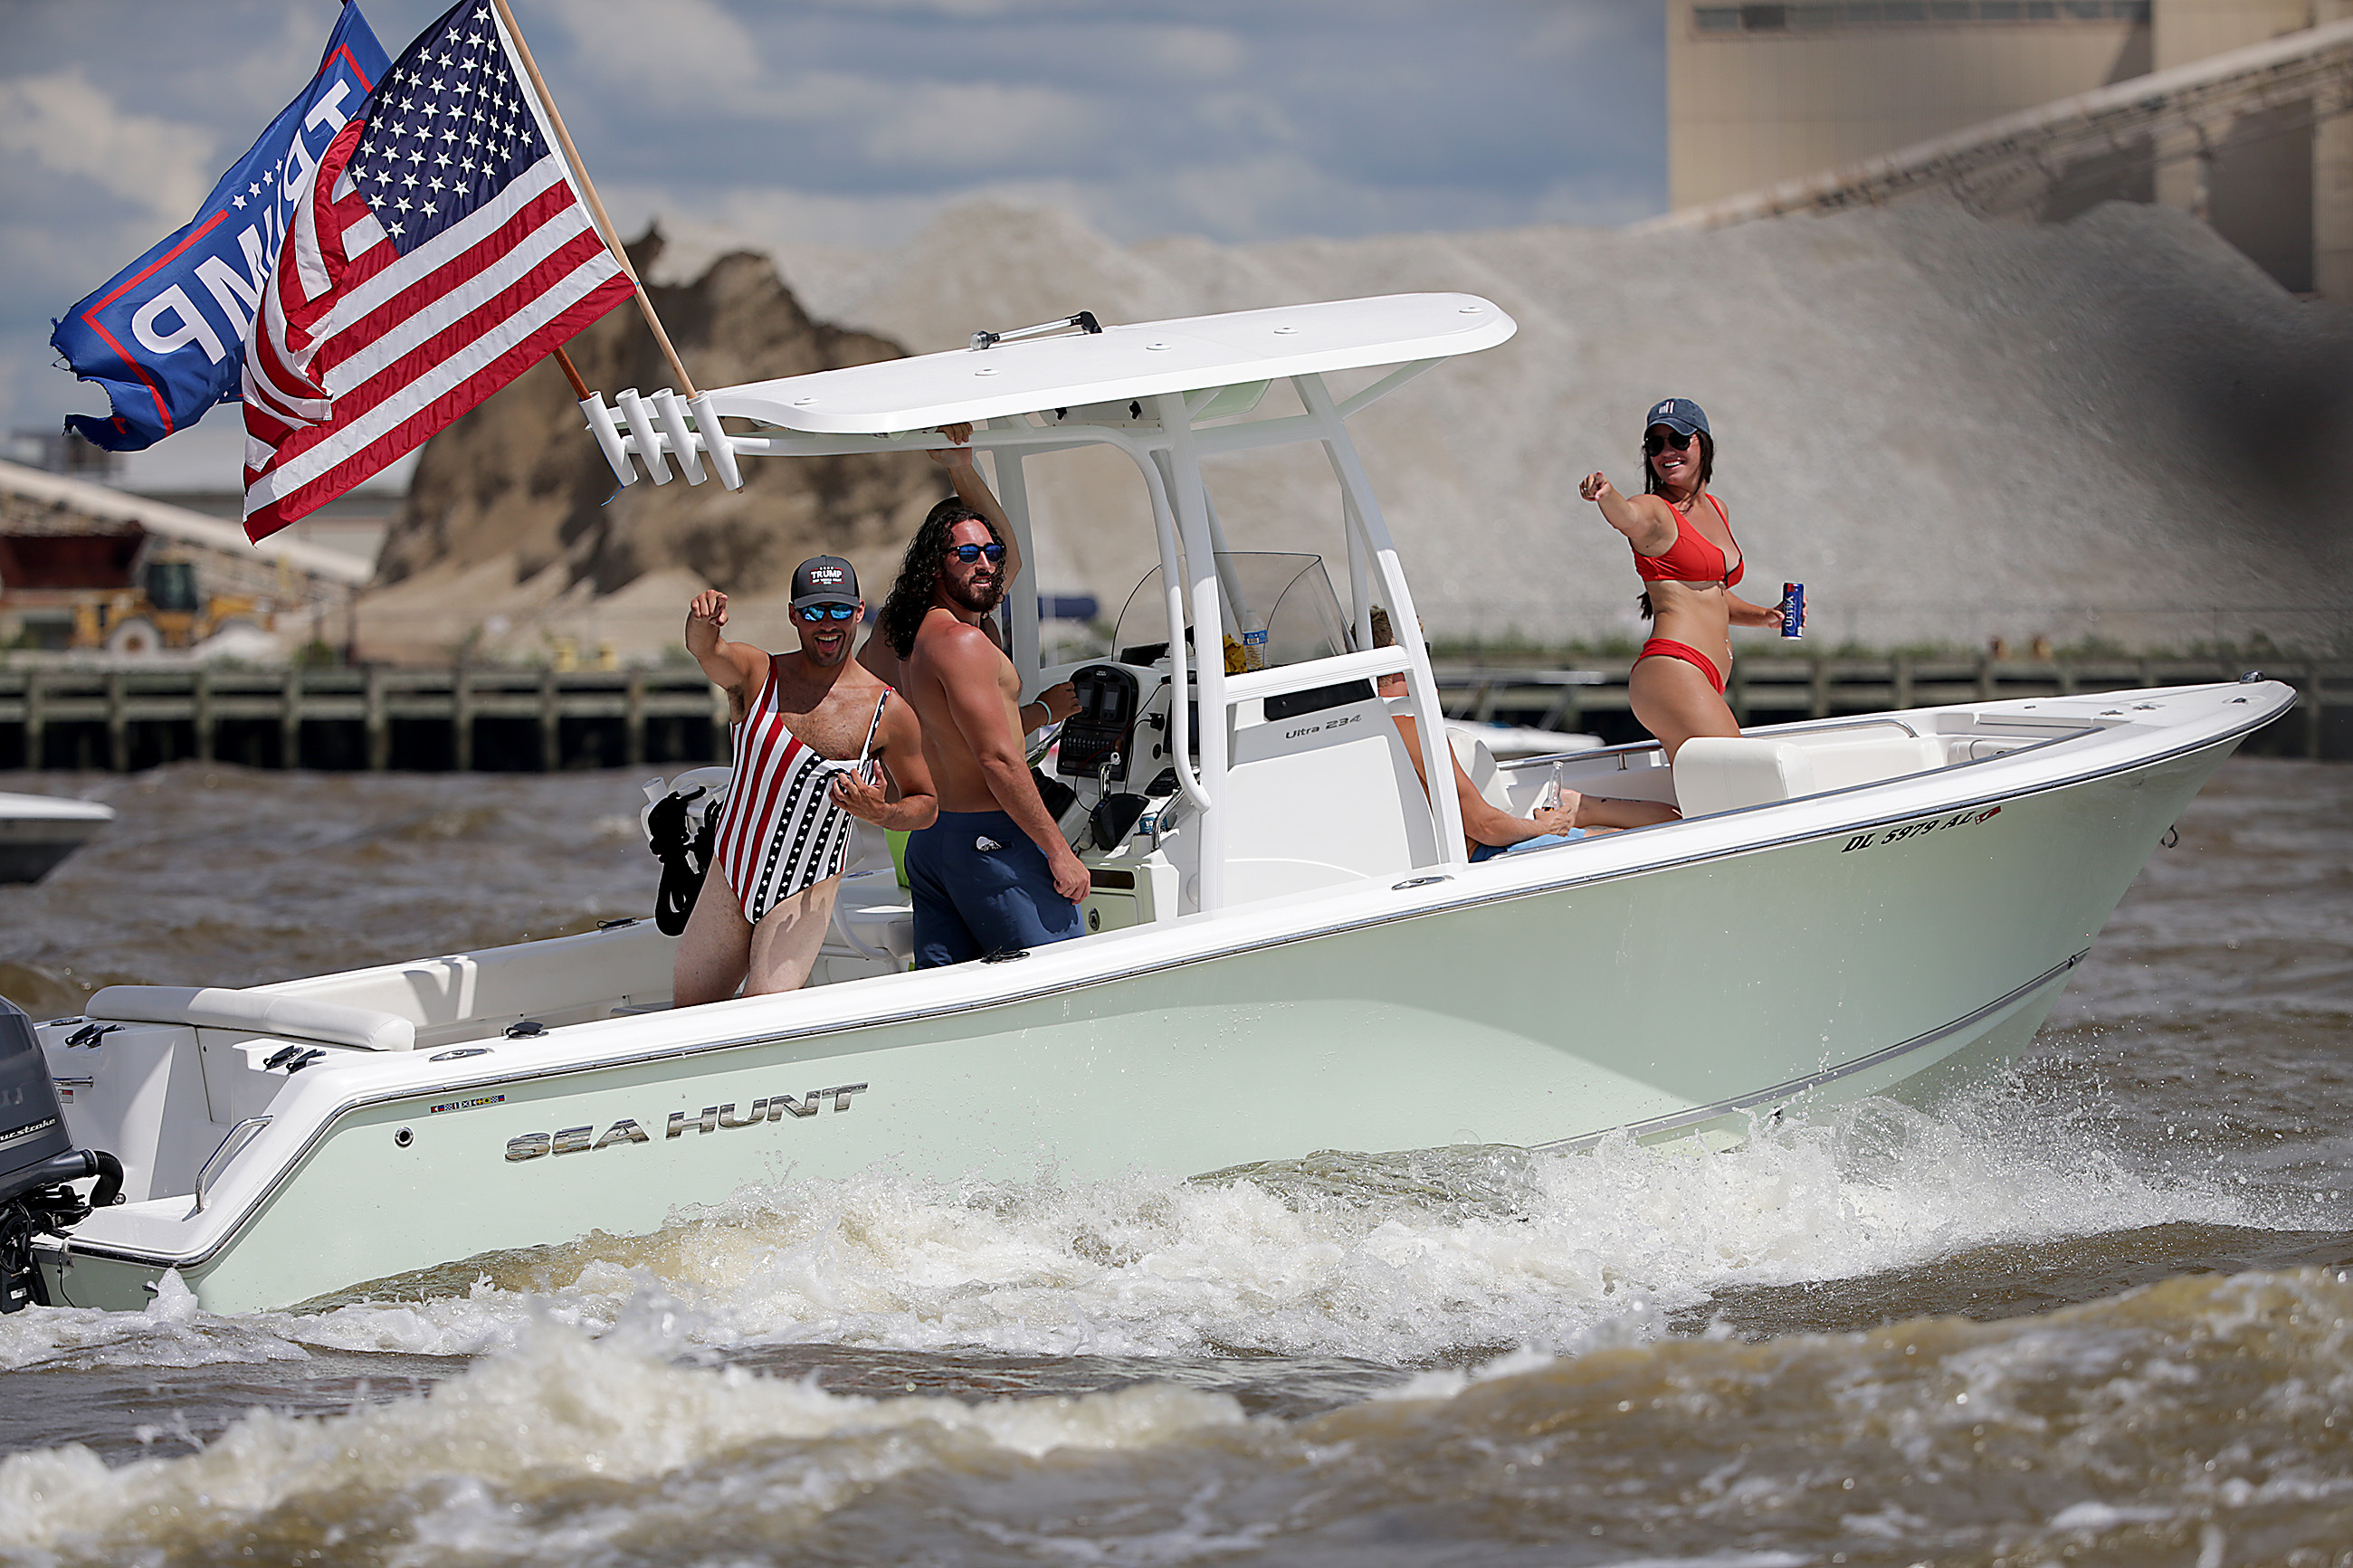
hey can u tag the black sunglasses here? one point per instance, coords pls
(1658, 440)
(969, 553)
(830, 612)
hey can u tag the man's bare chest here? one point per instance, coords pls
(834, 725)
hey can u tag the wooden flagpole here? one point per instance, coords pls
(596, 208)
(579, 388)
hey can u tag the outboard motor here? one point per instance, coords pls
(37, 1161)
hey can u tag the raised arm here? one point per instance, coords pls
(969, 664)
(1646, 521)
(974, 491)
(735, 668)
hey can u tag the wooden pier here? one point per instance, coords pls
(470, 719)
(375, 718)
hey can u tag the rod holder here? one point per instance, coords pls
(599, 416)
(671, 414)
(714, 442)
(642, 428)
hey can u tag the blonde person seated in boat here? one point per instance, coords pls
(817, 737)
(1049, 706)
(1689, 563)
(1487, 830)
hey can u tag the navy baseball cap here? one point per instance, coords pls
(824, 580)
(1680, 415)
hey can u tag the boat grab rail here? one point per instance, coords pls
(230, 1147)
(1369, 665)
(1633, 748)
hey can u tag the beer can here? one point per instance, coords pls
(1793, 609)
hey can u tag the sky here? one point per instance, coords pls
(853, 122)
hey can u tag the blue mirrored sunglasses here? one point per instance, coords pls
(830, 612)
(969, 553)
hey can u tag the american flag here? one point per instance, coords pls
(440, 251)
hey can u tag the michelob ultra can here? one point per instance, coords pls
(1793, 609)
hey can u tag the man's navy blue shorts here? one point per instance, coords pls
(980, 886)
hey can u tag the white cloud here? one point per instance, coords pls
(681, 54)
(272, 69)
(973, 124)
(62, 123)
(1197, 51)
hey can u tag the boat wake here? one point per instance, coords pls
(576, 1447)
(1431, 1258)
(1293, 1360)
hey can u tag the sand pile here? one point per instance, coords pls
(2117, 428)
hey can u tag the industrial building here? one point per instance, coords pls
(2238, 110)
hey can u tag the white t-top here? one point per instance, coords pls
(1029, 376)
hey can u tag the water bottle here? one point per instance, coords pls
(1253, 641)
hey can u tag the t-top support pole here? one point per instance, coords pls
(1209, 645)
(1422, 686)
(1013, 491)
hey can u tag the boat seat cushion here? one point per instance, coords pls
(286, 1017)
(1721, 774)
(1479, 764)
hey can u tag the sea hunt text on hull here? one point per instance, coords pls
(575, 1139)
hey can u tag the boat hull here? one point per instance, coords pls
(37, 832)
(1672, 1001)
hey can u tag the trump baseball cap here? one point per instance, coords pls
(1680, 415)
(824, 580)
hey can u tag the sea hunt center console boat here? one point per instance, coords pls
(1288, 948)
(36, 831)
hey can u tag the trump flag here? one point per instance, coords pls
(165, 335)
(440, 249)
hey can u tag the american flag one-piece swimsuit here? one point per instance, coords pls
(781, 831)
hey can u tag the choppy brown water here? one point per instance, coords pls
(2100, 1311)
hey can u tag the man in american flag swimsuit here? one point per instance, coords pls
(812, 728)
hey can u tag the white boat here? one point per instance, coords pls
(36, 831)
(1289, 949)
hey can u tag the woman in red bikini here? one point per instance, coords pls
(1689, 561)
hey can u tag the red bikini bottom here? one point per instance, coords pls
(1667, 647)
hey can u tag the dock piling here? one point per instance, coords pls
(633, 720)
(118, 722)
(289, 720)
(379, 725)
(37, 717)
(550, 724)
(205, 724)
(461, 718)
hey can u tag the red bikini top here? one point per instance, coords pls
(1692, 557)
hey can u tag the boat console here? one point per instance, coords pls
(1096, 741)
